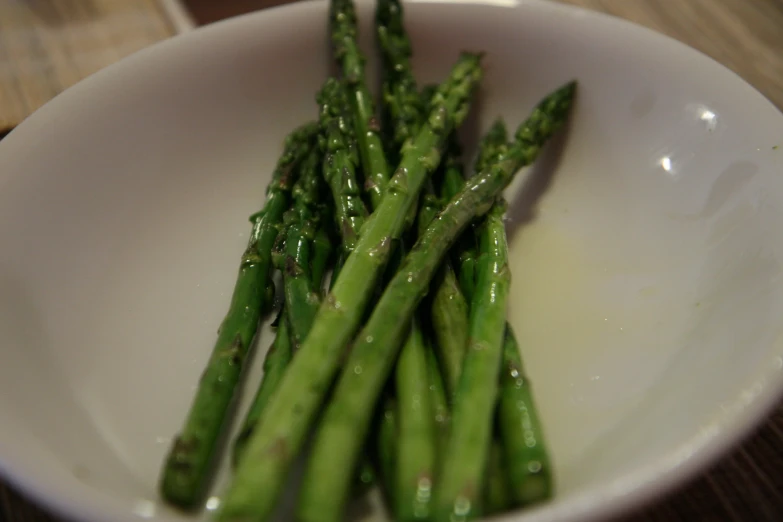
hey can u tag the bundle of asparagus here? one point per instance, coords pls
(408, 354)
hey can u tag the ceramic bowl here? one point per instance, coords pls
(646, 250)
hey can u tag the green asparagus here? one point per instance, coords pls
(290, 413)
(420, 158)
(527, 462)
(186, 472)
(340, 162)
(448, 308)
(492, 145)
(300, 288)
(415, 446)
(403, 112)
(275, 363)
(403, 107)
(340, 171)
(301, 291)
(345, 421)
(344, 32)
(460, 491)
(417, 436)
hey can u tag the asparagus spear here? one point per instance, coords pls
(415, 445)
(404, 112)
(460, 490)
(459, 494)
(440, 409)
(403, 107)
(339, 164)
(344, 31)
(289, 415)
(300, 288)
(417, 436)
(448, 308)
(345, 421)
(301, 292)
(340, 171)
(527, 462)
(491, 147)
(186, 470)
(275, 363)
(449, 313)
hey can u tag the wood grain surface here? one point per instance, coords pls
(48, 45)
(744, 35)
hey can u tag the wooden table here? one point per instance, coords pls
(747, 37)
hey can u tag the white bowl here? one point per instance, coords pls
(647, 293)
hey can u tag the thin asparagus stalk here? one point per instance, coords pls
(459, 494)
(527, 462)
(496, 495)
(344, 32)
(275, 363)
(340, 171)
(449, 314)
(345, 422)
(449, 309)
(186, 471)
(492, 145)
(339, 164)
(289, 415)
(460, 490)
(403, 107)
(429, 209)
(404, 112)
(300, 289)
(416, 443)
(301, 292)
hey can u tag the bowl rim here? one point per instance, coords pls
(72, 500)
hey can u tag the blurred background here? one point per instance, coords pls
(48, 45)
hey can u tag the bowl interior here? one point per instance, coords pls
(646, 290)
